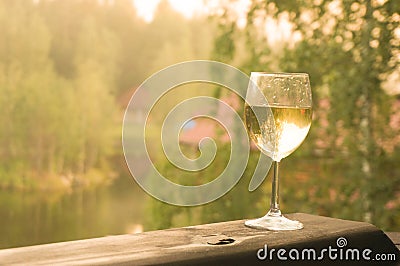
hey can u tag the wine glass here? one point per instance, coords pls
(278, 113)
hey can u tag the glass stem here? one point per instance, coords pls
(274, 209)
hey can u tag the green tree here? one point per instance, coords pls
(349, 48)
(85, 53)
(57, 103)
(26, 83)
(174, 39)
(133, 56)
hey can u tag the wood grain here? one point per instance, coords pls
(226, 243)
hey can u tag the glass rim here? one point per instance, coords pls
(275, 74)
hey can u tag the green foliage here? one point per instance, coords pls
(349, 48)
(232, 206)
(64, 65)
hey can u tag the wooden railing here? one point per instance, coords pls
(322, 239)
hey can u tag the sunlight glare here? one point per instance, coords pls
(145, 9)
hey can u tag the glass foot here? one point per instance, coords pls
(274, 223)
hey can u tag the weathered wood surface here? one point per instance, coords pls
(395, 237)
(226, 243)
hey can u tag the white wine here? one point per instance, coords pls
(279, 130)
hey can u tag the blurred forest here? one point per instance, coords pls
(348, 167)
(65, 69)
(68, 68)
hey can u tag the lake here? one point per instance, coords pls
(30, 218)
(308, 185)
